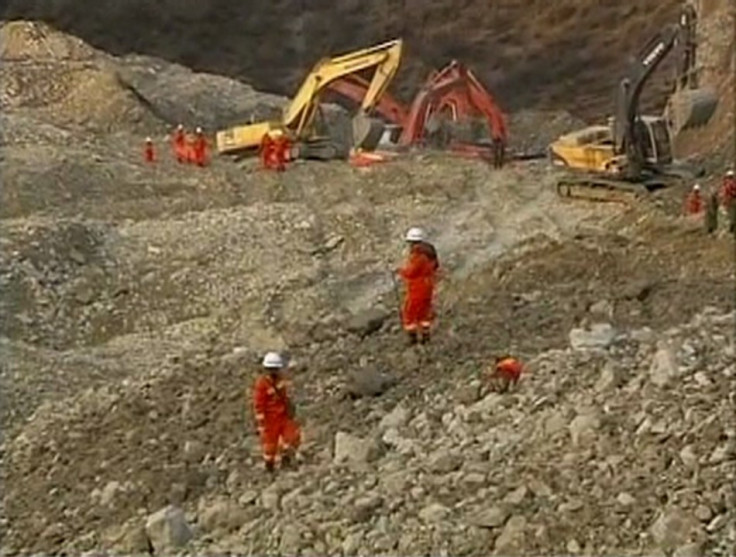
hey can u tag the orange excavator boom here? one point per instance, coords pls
(354, 88)
(455, 88)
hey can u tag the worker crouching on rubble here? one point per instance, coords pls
(274, 412)
(505, 372)
(420, 275)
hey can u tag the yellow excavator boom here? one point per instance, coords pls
(299, 114)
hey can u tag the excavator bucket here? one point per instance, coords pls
(367, 132)
(690, 108)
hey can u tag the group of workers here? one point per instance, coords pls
(278, 429)
(186, 148)
(725, 198)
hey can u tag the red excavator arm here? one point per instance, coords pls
(354, 88)
(454, 88)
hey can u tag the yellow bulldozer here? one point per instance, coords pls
(298, 118)
(633, 153)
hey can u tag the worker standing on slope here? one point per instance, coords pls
(728, 190)
(199, 148)
(149, 153)
(419, 274)
(179, 144)
(694, 201)
(274, 413)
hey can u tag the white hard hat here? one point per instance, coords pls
(696, 187)
(273, 360)
(199, 130)
(149, 140)
(415, 234)
(729, 173)
(180, 127)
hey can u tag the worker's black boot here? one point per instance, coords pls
(425, 336)
(411, 338)
(287, 460)
(270, 466)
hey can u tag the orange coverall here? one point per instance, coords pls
(693, 203)
(728, 191)
(277, 428)
(180, 146)
(419, 275)
(509, 368)
(200, 149)
(149, 153)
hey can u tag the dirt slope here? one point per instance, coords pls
(138, 299)
(563, 54)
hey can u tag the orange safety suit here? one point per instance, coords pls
(509, 369)
(419, 274)
(274, 416)
(200, 149)
(266, 150)
(180, 145)
(281, 149)
(728, 191)
(694, 203)
(149, 153)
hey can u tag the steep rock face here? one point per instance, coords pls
(566, 53)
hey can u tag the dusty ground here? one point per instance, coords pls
(139, 299)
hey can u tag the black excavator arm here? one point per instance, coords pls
(627, 135)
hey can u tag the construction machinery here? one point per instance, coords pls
(298, 120)
(633, 153)
(443, 113)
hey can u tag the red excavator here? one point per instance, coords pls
(443, 114)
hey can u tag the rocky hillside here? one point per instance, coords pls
(565, 54)
(138, 299)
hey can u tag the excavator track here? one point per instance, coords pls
(604, 190)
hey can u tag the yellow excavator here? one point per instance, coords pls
(298, 118)
(633, 153)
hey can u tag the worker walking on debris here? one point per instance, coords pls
(199, 148)
(420, 275)
(694, 201)
(179, 144)
(149, 152)
(274, 412)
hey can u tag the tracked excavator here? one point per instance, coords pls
(633, 154)
(298, 120)
(442, 113)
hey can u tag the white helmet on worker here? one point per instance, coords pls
(273, 360)
(696, 187)
(149, 140)
(199, 130)
(180, 127)
(729, 172)
(415, 234)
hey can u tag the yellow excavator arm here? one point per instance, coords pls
(298, 116)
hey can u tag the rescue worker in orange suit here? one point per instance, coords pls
(149, 153)
(282, 145)
(274, 412)
(199, 148)
(728, 190)
(265, 151)
(180, 144)
(505, 372)
(694, 201)
(420, 275)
